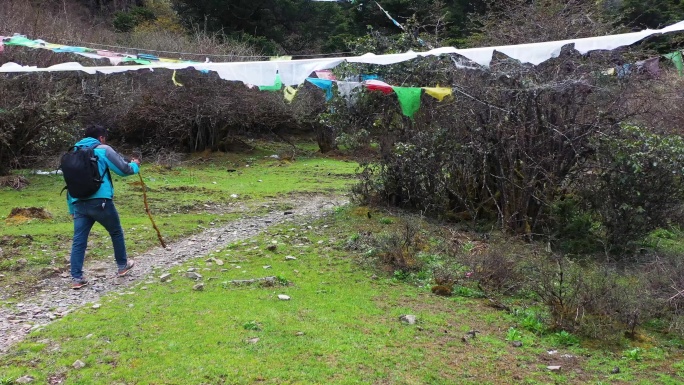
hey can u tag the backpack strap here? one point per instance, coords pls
(106, 171)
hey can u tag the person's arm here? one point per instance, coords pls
(118, 164)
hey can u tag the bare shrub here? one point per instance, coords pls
(167, 158)
(496, 270)
(397, 251)
(520, 21)
(16, 182)
(662, 286)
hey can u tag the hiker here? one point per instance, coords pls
(98, 207)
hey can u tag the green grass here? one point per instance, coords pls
(341, 325)
(198, 194)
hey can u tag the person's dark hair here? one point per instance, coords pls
(95, 131)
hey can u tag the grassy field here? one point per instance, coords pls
(205, 188)
(341, 324)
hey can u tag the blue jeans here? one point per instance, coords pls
(86, 213)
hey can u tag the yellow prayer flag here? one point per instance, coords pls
(173, 77)
(290, 93)
(438, 93)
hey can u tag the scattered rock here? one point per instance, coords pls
(24, 380)
(198, 287)
(290, 258)
(78, 364)
(517, 344)
(165, 277)
(97, 306)
(615, 370)
(469, 335)
(298, 334)
(271, 247)
(253, 340)
(193, 275)
(283, 297)
(554, 368)
(408, 319)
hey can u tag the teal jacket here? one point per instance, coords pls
(107, 158)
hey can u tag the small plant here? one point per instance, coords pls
(633, 354)
(401, 275)
(532, 322)
(252, 325)
(513, 334)
(386, 221)
(565, 339)
(6, 381)
(468, 247)
(465, 291)
(282, 280)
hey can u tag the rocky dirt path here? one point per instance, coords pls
(57, 299)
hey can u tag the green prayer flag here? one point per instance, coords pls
(137, 61)
(22, 41)
(409, 99)
(275, 87)
(676, 58)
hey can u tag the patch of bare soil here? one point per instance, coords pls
(55, 298)
(29, 213)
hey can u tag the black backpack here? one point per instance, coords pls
(80, 171)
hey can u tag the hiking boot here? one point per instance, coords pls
(123, 271)
(78, 283)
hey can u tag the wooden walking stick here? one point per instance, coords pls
(147, 209)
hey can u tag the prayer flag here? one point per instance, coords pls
(324, 84)
(438, 93)
(290, 93)
(275, 87)
(175, 82)
(377, 85)
(409, 99)
(678, 61)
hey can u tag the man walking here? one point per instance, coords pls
(99, 207)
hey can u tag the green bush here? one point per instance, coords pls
(637, 184)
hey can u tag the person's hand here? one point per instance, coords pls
(136, 161)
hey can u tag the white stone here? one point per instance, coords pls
(283, 297)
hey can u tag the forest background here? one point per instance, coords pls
(589, 165)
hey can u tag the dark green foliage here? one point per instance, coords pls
(127, 21)
(647, 13)
(637, 184)
(302, 26)
(576, 229)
